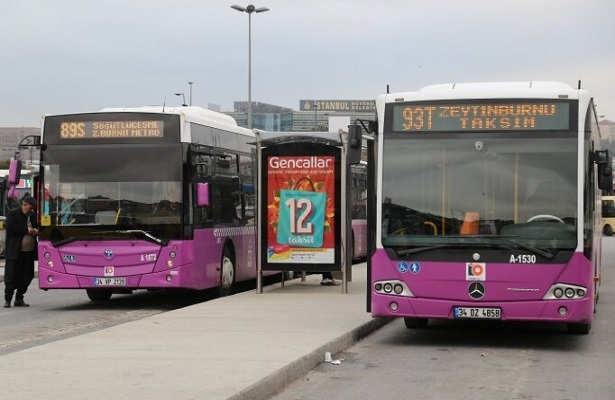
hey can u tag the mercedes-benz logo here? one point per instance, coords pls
(108, 254)
(476, 290)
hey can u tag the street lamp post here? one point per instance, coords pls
(183, 97)
(249, 9)
(190, 83)
(315, 116)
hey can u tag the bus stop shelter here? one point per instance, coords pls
(303, 223)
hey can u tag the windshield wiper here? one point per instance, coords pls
(141, 235)
(541, 252)
(147, 236)
(135, 232)
(62, 242)
(419, 249)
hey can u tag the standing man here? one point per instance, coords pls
(20, 251)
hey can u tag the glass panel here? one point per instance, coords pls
(442, 189)
(128, 188)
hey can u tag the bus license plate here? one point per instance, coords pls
(478, 313)
(110, 281)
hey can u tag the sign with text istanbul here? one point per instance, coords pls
(300, 189)
(513, 115)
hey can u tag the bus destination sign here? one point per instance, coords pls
(481, 116)
(111, 129)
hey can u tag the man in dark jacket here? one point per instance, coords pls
(20, 251)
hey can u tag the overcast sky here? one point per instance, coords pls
(62, 56)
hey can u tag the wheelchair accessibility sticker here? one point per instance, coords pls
(413, 267)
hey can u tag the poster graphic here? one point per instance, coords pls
(301, 209)
(301, 218)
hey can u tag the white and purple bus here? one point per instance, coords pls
(146, 198)
(487, 204)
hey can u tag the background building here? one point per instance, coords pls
(313, 115)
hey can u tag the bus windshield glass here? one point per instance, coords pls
(477, 189)
(128, 188)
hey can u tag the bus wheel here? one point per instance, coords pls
(579, 329)
(413, 323)
(227, 272)
(608, 230)
(99, 294)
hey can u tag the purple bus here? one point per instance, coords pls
(487, 204)
(146, 198)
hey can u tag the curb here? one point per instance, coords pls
(269, 385)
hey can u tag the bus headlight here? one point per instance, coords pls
(565, 291)
(392, 287)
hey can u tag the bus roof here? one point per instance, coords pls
(190, 113)
(487, 90)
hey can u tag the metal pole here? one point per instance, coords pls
(259, 215)
(190, 83)
(249, 70)
(249, 9)
(344, 216)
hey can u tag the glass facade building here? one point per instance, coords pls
(313, 115)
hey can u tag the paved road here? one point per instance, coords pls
(244, 346)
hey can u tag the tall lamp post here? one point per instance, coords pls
(190, 83)
(249, 9)
(183, 97)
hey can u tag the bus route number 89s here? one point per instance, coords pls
(69, 130)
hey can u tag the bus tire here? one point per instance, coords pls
(227, 272)
(99, 294)
(607, 230)
(580, 329)
(415, 323)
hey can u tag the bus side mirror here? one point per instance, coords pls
(202, 194)
(605, 170)
(354, 145)
(14, 172)
(605, 178)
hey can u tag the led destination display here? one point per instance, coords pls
(481, 116)
(111, 129)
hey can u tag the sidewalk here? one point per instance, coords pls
(245, 346)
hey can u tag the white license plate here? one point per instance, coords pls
(110, 281)
(478, 313)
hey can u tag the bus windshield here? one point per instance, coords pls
(455, 188)
(127, 188)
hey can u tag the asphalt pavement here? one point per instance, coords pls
(245, 346)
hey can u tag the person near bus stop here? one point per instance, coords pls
(20, 251)
(328, 280)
